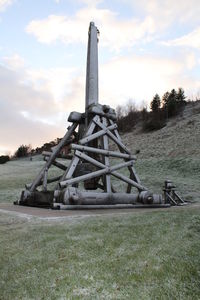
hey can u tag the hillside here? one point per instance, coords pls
(179, 138)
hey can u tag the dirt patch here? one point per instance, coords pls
(45, 213)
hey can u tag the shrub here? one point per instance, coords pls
(23, 151)
(154, 121)
(4, 159)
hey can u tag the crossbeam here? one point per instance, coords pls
(94, 174)
(102, 151)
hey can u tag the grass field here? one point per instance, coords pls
(136, 255)
(140, 255)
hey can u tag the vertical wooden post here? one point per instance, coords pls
(106, 160)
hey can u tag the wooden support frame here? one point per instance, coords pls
(100, 131)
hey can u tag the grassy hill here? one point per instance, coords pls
(135, 255)
(172, 152)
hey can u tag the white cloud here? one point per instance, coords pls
(191, 60)
(14, 62)
(116, 34)
(55, 80)
(139, 78)
(191, 39)
(166, 11)
(35, 103)
(17, 130)
(29, 112)
(91, 3)
(4, 4)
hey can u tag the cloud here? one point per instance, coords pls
(29, 111)
(167, 11)
(138, 77)
(191, 60)
(54, 80)
(18, 130)
(191, 40)
(116, 33)
(4, 4)
(14, 62)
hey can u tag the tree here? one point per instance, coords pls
(130, 107)
(23, 151)
(119, 112)
(154, 120)
(181, 96)
(155, 103)
(170, 103)
(165, 99)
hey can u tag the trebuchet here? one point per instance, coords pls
(101, 172)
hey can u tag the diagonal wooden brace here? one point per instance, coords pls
(96, 134)
(53, 156)
(98, 173)
(112, 136)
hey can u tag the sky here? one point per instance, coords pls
(145, 47)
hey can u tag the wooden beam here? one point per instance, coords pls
(106, 160)
(103, 151)
(95, 173)
(96, 134)
(44, 185)
(129, 181)
(112, 136)
(53, 156)
(70, 170)
(59, 165)
(133, 174)
(49, 180)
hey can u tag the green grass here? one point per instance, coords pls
(15, 174)
(149, 255)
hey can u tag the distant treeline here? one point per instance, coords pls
(161, 109)
(26, 150)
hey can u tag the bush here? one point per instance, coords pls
(154, 120)
(127, 117)
(4, 159)
(153, 124)
(23, 151)
(128, 122)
